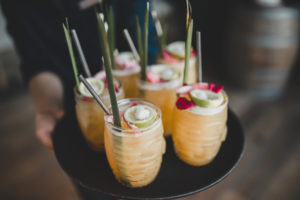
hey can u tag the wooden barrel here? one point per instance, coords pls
(262, 47)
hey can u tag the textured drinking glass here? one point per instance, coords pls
(90, 117)
(128, 79)
(179, 67)
(199, 132)
(164, 96)
(135, 155)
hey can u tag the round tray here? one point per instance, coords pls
(175, 179)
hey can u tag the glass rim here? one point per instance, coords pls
(211, 111)
(79, 95)
(120, 72)
(165, 61)
(139, 131)
(161, 85)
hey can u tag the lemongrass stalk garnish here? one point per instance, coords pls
(81, 54)
(140, 49)
(107, 65)
(71, 52)
(188, 45)
(146, 30)
(111, 34)
(188, 42)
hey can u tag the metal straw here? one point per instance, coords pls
(81, 55)
(92, 91)
(199, 58)
(131, 45)
(157, 23)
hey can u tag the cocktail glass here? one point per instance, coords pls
(179, 67)
(163, 94)
(199, 132)
(127, 72)
(90, 117)
(135, 155)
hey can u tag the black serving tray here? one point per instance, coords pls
(175, 179)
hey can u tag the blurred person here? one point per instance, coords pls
(36, 28)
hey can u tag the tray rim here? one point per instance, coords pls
(225, 175)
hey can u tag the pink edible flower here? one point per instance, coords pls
(172, 59)
(215, 88)
(100, 75)
(109, 118)
(168, 57)
(183, 104)
(126, 64)
(85, 98)
(116, 89)
(200, 86)
(193, 53)
(184, 89)
(133, 104)
(152, 77)
(131, 126)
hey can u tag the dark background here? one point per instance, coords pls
(271, 163)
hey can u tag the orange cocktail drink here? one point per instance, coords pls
(174, 55)
(127, 71)
(199, 125)
(160, 89)
(135, 150)
(90, 116)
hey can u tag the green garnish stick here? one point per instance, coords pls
(71, 52)
(145, 60)
(111, 34)
(107, 65)
(188, 45)
(140, 49)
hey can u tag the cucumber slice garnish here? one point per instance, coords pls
(140, 115)
(97, 85)
(206, 98)
(165, 72)
(177, 49)
(126, 55)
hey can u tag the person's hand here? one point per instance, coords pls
(47, 93)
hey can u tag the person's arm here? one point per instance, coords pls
(36, 44)
(47, 92)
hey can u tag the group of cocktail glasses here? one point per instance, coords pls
(194, 114)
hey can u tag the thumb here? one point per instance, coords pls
(44, 127)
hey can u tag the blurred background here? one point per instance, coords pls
(250, 46)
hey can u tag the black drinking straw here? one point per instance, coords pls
(161, 32)
(81, 54)
(131, 45)
(94, 94)
(157, 23)
(199, 57)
